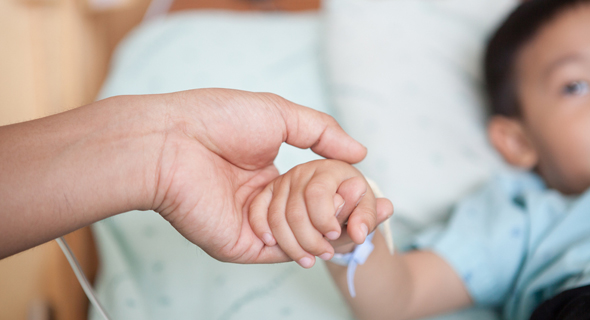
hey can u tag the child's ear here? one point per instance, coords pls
(510, 138)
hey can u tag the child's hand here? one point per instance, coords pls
(312, 201)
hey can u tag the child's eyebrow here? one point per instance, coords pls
(570, 58)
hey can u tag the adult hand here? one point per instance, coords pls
(219, 154)
(197, 157)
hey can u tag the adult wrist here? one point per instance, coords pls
(69, 170)
(144, 129)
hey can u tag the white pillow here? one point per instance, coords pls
(406, 81)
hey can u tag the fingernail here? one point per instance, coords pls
(326, 256)
(340, 209)
(268, 239)
(361, 198)
(332, 235)
(364, 229)
(305, 262)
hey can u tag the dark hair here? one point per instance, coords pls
(505, 45)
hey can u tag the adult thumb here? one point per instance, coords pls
(308, 128)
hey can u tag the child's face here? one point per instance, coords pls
(553, 77)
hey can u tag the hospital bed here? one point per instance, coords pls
(303, 68)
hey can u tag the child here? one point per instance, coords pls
(521, 243)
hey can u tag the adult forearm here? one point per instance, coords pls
(63, 172)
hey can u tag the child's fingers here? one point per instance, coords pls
(319, 200)
(281, 230)
(308, 237)
(384, 211)
(272, 254)
(352, 191)
(338, 204)
(363, 218)
(258, 215)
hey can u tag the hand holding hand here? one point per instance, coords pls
(198, 157)
(306, 207)
(218, 153)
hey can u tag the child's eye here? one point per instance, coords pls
(576, 88)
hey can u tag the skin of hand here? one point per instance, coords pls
(235, 159)
(197, 157)
(306, 207)
(413, 285)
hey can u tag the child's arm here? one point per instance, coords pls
(402, 286)
(298, 209)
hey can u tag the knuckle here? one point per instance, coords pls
(296, 217)
(274, 97)
(359, 184)
(324, 222)
(313, 245)
(315, 190)
(277, 183)
(331, 120)
(297, 171)
(293, 250)
(365, 215)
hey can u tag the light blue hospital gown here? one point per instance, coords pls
(516, 243)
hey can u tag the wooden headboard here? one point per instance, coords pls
(58, 58)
